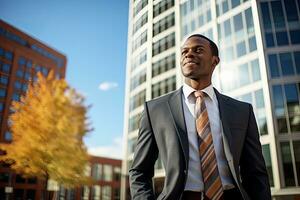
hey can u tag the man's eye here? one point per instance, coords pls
(183, 52)
(198, 50)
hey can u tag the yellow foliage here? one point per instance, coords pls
(48, 125)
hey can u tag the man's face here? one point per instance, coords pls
(197, 61)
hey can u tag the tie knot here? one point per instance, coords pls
(199, 93)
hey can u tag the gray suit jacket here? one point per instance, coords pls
(163, 130)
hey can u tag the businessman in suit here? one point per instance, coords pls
(208, 142)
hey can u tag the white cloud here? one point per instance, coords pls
(105, 86)
(114, 150)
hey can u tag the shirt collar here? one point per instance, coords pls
(188, 90)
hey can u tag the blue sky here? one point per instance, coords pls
(93, 36)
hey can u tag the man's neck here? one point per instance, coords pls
(197, 85)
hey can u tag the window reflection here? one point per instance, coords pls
(296, 145)
(268, 161)
(287, 164)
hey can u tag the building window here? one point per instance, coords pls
(1, 106)
(28, 75)
(20, 179)
(164, 24)
(280, 112)
(4, 177)
(134, 122)
(2, 92)
(268, 161)
(139, 60)
(138, 79)
(5, 68)
(117, 174)
(106, 193)
(295, 39)
(163, 65)
(286, 63)
(30, 194)
(243, 74)
(97, 171)
(282, 38)
(255, 70)
(252, 44)
(96, 192)
(238, 25)
(278, 16)
(163, 87)
(269, 40)
(273, 65)
(162, 6)
(16, 97)
(107, 172)
(235, 3)
(139, 41)
(85, 193)
(18, 85)
(163, 44)
(70, 194)
(293, 107)
(291, 102)
(20, 73)
(137, 100)
(140, 5)
(8, 55)
(3, 80)
(29, 64)
(287, 163)
(296, 145)
(21, 61)
(259, 99)
(140, 23)
(117, 193)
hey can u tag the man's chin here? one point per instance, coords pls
(190, 75)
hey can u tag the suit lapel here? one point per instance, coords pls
(224, 110)
(176, 108)
(224, 116)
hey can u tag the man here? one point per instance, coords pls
(208, 142)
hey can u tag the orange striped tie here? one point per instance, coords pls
(212, 182)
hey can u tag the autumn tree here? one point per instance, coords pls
(48, 125)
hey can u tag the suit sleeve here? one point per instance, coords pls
(145, 155)
(252, 165)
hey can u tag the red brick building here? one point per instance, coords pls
(106, 175)
(21, 57)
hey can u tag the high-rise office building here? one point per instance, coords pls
(21, 57)
(151, 65)
(259, 44)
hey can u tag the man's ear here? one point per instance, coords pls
(216, 61)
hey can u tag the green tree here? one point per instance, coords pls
(48, 126)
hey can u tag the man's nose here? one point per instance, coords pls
(189, 54)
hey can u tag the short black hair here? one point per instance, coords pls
(213, 46)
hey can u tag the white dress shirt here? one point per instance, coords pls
(194, 179)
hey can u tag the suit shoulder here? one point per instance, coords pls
(237, 103)
(161, 99)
